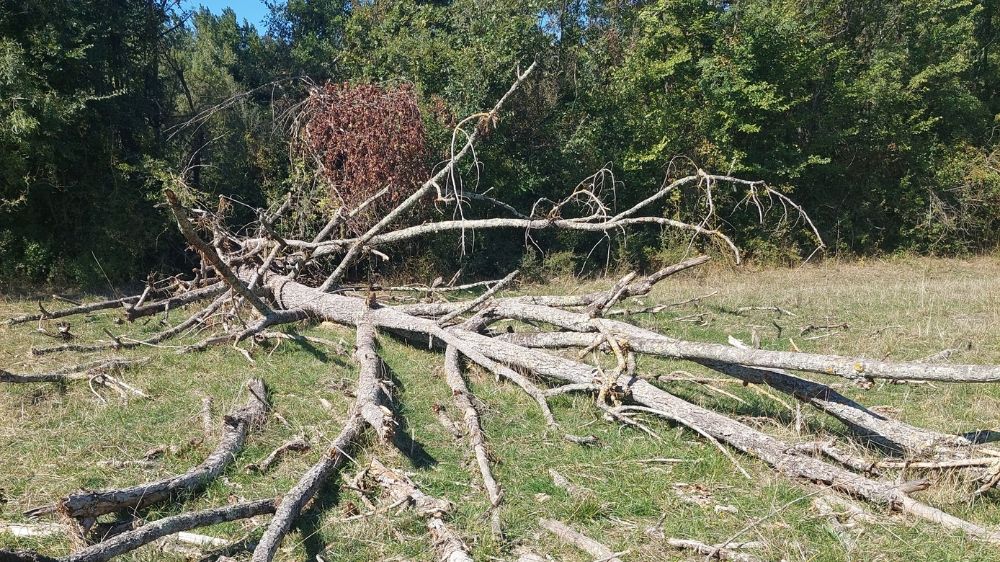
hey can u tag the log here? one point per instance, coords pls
(91, 504)
(716, 552)
(569, 536)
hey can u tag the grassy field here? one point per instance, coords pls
(53, 440)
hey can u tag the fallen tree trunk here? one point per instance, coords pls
(485, 351)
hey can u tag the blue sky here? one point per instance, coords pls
(253, 11)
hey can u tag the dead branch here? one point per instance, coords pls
(295, 500)
(297, 444)
(473, 428)
(370, 395)
(716, 552)
(571, 537)
(209, 254)
(475, 303)
(133, 313)
(448, 546)
(131, 540)
(79, 309)
(88, 505)
(84, 371)
(120, 342)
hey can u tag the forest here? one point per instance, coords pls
(879, 118)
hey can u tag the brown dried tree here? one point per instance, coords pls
(365, 138)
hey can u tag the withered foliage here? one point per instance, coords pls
(366, 137)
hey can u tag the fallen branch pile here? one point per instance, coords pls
(260, 281)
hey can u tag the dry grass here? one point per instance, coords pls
(52, 439)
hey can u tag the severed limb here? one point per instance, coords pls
(569, 536)
(720, 552)
(121, 342)
(265, 464)
(71, 373)
(131, 540)
(653, 343)
(87, 505)
(294, 501)
(79, 309)
(477, 439)
(133, 313)
(448, 546)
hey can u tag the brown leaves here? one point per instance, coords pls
(366, 137)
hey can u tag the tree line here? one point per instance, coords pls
(879, 118)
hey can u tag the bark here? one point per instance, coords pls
(716, 552)
(80, 309)
(370, 396)
(579, 540)
(237, 426)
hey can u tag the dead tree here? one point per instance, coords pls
(254, 281)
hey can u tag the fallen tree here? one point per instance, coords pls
(261, 280)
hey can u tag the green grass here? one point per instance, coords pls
(53, 439)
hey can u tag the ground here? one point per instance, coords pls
(55, 440)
